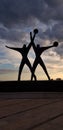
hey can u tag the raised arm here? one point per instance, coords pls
(16, 49)
(32, 41)
(29, 46)
(34, 47)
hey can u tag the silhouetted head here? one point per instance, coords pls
(38, 46)
(35, 31)
(55, 43)
(24, 46)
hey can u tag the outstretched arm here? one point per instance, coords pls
(55, 44)
(45, 48)
(16, 49)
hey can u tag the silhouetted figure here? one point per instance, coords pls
(24, 51)
(38, 51)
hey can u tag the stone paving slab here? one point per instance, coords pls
(31, 114)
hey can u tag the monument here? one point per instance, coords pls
(38, 60)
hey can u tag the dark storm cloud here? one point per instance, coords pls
(20, 11)
(52, 31)
(14, 11)
(54, 3)
(10, 34)
(57, 31)
(57, 8)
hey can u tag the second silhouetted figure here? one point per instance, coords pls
(38, 51)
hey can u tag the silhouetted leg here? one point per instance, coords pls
(44, 68)
(20, 69)
(31, 69)
(34, 67)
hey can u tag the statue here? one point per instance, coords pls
(38, 51)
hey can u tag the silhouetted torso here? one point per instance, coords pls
(38, 51)
(24, 52)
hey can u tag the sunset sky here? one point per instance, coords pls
(17, 19)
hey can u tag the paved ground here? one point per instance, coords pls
(31, 111)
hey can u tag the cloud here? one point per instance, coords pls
(6, 71)
(12, 34)
(12, 12)
(17, 11)
(54, 3)
(16, 16)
